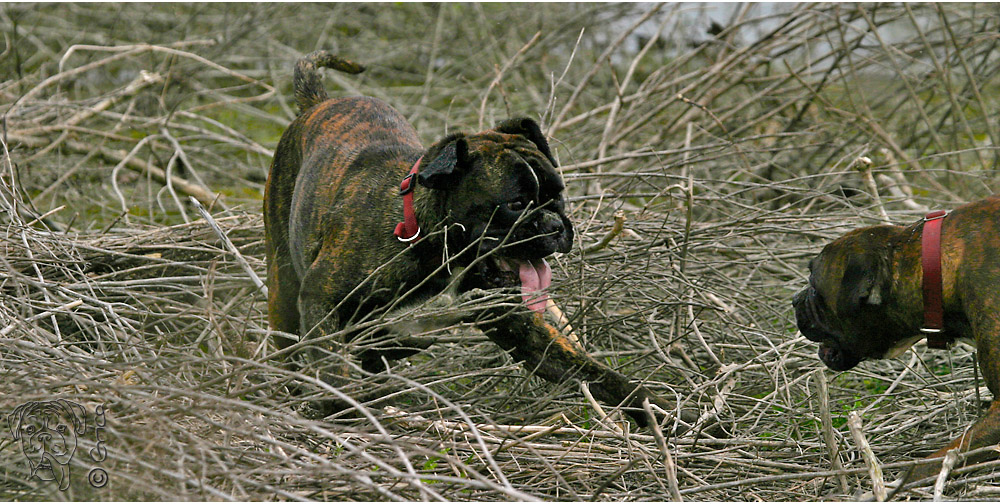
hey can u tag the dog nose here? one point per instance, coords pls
(800, 297)
(554, 232)
(550, 224)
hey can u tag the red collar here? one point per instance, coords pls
(930, 243)
(408, 231)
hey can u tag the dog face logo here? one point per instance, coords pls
(48, 431)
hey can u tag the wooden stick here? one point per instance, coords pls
(601, 414)
(823, 394)
(874, 469)
(950, 459)
(668, 460)
(562, 322)
(616, 230)
(864, 166)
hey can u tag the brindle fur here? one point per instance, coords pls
(331, 203)
(865, 296)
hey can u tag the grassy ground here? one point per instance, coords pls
(728, 141)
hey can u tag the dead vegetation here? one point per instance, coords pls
(733, 145)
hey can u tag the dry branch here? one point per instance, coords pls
(871, 461)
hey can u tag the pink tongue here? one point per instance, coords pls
(534, 278)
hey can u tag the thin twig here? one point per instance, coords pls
(616, 229)
(500, 73)
(229, 246)
(668, 460)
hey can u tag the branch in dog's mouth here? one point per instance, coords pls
(535, 275)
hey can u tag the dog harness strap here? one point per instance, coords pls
(930, 259)
(408, 231)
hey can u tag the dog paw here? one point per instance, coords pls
(315, 410)
(444, 300)
(473, 294)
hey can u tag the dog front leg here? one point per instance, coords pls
(325, 355)
(986, 430)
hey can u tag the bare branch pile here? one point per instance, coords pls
(707, 154)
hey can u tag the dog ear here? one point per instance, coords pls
(77, 415)
(863, 281)
(529, 129)
(444, 163)
(14, 420)
(871, 292)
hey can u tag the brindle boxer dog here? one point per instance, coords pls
(865, 301)
(489, 207)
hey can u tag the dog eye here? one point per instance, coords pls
(517, 205)
(62, 429)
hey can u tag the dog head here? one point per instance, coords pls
(48, 431)
(850, 306)
(502, 188)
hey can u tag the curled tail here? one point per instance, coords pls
(309, 89)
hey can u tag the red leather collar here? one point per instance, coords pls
(930, 259)
(408, 231)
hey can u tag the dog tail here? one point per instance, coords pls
(309, 89)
